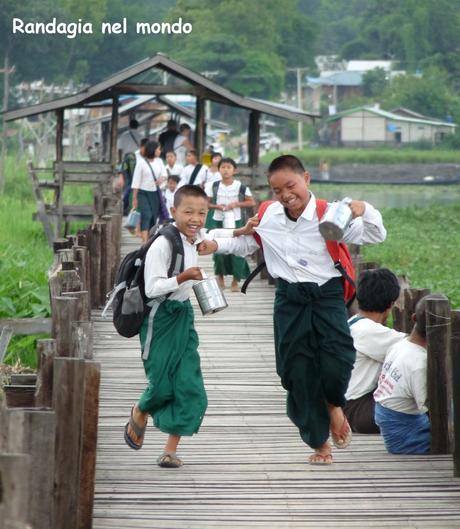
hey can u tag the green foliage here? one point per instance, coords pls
(374, 82)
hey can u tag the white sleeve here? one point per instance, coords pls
(221, 233)
(376, 342)
(367, 229)
(208, 189)
(242, 246)
(418, 388)
(247, 193)
(162, 168)
(157, 261)
(183, 177)
(137, 176)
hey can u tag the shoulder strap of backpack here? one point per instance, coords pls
(242, 193)
(172, 234)
(215, 190)
(195, 172)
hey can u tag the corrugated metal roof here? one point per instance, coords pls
(389, 115)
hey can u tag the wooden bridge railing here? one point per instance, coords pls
(49, 421)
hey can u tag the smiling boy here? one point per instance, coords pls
(175, 396)
(313, 346)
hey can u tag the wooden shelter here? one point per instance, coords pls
(157, 76)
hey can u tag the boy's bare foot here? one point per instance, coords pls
(340, 429)
(235, 287)
(136, 432)
(322, 455)
(221, 282)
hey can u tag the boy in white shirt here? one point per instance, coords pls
(313, 346)
(213, 174)
(170, 191)
(400, 397)
(172, 166)
(376, 292)
(228, 197)
(193, 173)
(175, 396)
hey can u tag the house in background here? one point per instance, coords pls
(370, 126)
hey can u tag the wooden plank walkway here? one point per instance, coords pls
(247, 467)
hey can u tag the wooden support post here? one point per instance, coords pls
(200, 126)
(68, 403)
(82, 340)
(114, 133)
(104, 260)
(15, 489)
(95, 264)
(59, 194)
(82, 309)
(405, 307)
(117, 220)
(88, 444)
(81, 258)
(455, 353)
(109, 251)
(253, 138)
(46, 352)
(33, 432)
(439, 385)
(64, 310)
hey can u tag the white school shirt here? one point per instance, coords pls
(402, 382)
(296, 251)
(169, 197)
(372, 341)
(187, 173)
(158, 261)
(143, 178)
(211, 177)
(180, 149)
(227, 195)
(176, 169)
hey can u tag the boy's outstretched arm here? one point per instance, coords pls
(366, 226)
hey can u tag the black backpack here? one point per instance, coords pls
(246, 213)
(130, 304)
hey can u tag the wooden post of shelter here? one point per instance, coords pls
(455, 355)
(253, 138)
(439, 383)
(200, 137)
(114, 132)
(405, 307)
(59, 192)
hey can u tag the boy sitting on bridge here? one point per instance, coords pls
(400, 397)
(313, 346)
(175, 396)
(376, 292)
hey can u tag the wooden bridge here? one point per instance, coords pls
(247, 467)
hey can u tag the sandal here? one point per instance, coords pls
(138, 430)
(320, 459)
(342, 438)
(169, 460)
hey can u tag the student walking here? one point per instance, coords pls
(313, 347)
(175, 396)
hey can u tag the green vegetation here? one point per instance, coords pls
(311, 157)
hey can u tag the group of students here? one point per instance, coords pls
(387, 392)
(314, 349)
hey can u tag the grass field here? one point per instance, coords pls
(422, 243)
(312, 156)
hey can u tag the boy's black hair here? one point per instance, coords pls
(192, 151)
(377, 290)
(189, 191)
(214, 154)
(133, 123)
(286, 161)
(227, 160)
(174, 177)
(143, 142)
(420, 313)
(184, 126)
(172, 152)
(150, 148)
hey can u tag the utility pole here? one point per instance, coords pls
(6, 71)
(299, 71)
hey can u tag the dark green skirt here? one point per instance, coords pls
(175, 396)
(314, 353)
(229, 265)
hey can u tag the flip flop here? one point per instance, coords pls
(169, 460)
(320, 459)
(342, 438)
(138, 430)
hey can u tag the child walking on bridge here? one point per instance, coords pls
(175, 396)
(313, 346)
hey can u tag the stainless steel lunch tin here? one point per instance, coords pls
(336, 220)
(210, 296)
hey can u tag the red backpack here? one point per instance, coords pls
(337, 250)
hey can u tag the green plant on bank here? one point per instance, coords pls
(312, 156)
